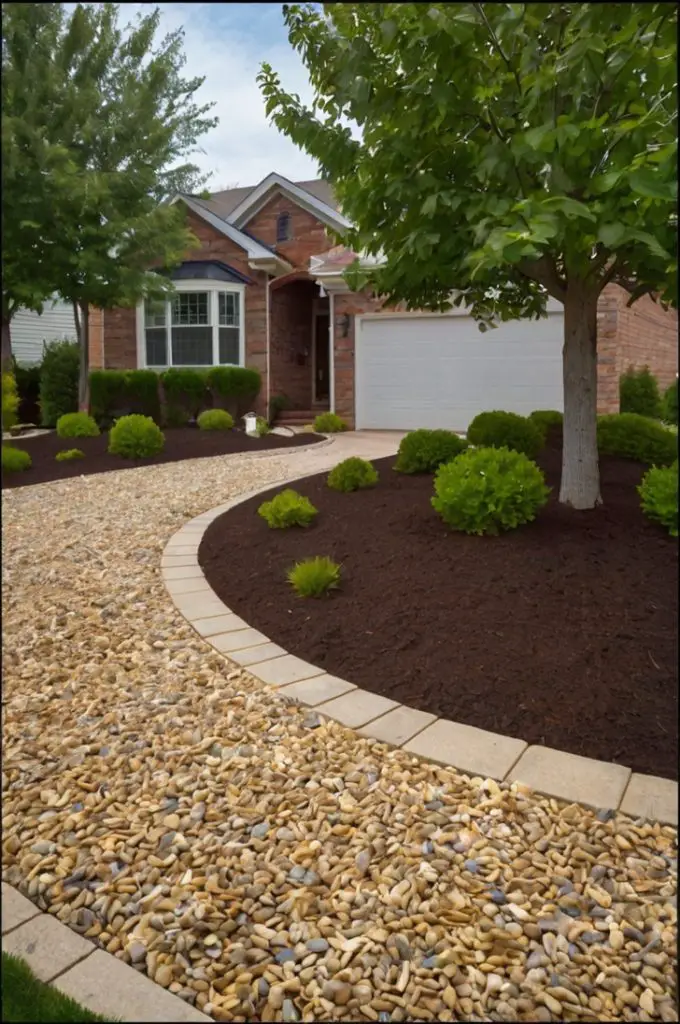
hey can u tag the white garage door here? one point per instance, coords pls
(441, 370)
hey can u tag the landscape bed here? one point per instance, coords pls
(562, 632)
(180, 443)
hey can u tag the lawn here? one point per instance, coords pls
(24, 998)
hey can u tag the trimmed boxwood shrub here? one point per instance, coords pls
(314, 577)
(488, 490)
(116, 393)
(186, 389)
(505, 430)
(59, 381)
(10, 401)
(14, 460)
(288, 508)
(628, 435)
(352, 474)
(639, 393)
(76, 424)
(28, 387)
(669, 409)
(547, 421)
(659, 493)
(69, 455)
(422, 451)
(215, 419)
(233, 382)
(136, 437)
(329, 423)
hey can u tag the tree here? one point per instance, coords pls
(125, 123)
(507, 152)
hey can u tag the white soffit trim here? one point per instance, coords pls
(253, 248)
(261, 193)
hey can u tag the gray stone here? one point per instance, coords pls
(289, 1013)
(285, 955)
(471, 866)
(497, 896)
(317, 945)
(260, 831)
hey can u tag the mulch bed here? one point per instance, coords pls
(180, 443)
(562, 632)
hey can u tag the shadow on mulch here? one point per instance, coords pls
(180, 443)
(562, 632)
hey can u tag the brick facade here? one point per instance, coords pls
(307, 234)
(96, 336)
(290, 341)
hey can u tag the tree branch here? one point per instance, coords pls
(480, 10)
(544, 271)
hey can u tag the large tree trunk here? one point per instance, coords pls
(580, 486)
(6, 344)
(81, 313)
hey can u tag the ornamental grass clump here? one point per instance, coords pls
(288, 508)
(352, 474)
(627, 435)
(423, 451)
(506, 430)
(329, 423)
(77, 424)
(314, 577)
(659, 493)
(489, 490)
(215, 419)
(136, 437)
(15, 460)
(69, 455)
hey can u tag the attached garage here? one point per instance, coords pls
(439, 370)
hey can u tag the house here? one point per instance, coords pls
(31, 331)
(264, 288)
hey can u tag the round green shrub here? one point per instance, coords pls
(262, 428)
(488, 490)
(628, 435)
(69, 455)
(14, 459)
(215, 419)
(77, 424)
(352, 474)
(287, 508)
(639, 393)
(422, 451)
(659, 493)
(547, 420)
(669, 409)
(59, 374)
(329, 423)
(136, 437)
(505, 430)
(314, 577)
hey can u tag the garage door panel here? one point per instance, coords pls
(441, 371)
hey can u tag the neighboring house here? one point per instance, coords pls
(264, 288)
(30, 331)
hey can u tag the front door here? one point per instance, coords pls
(321, 361)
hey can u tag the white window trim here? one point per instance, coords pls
(195, 285)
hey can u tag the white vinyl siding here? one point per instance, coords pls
(29, 331)
(440, 370)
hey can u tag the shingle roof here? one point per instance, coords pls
(224, 203)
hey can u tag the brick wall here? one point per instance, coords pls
(96, 336)
(291, 342)
(308, 234)
(352, 304)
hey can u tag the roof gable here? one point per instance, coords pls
(303, 197)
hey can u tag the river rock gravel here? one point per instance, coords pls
(262, 864)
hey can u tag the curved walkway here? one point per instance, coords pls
(260, 865)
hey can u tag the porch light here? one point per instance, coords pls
(322, 293)
(344, 324)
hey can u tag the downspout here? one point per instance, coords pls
(268, 388)
(331, 343)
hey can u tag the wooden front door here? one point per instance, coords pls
(321, 357)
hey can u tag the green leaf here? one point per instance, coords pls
(605, 182)
(649, 183)
(611, 235)
(430, 204)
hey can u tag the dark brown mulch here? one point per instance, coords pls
(180, 443)
(562, 632)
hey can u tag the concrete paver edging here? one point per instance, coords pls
(477, 752)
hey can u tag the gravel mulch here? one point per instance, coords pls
(257, 863)
(562, 633)
(181, 443)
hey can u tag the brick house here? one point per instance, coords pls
(264, 288)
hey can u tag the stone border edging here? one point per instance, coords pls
(476, 752)
(74, 965)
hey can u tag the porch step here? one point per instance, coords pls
(296, 417)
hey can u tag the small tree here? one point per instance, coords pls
(508, 152)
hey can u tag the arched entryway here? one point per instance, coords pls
(299, 344)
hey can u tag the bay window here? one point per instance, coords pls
(200, 325)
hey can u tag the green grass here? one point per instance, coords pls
(25, 999)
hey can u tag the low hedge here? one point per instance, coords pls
(59, 381)
(669, 410)
(116, 393)
(28, 386)
(628, 435)
(497, 429)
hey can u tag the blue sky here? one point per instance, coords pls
(226, 43)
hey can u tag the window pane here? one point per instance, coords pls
(229, 345)
(189, 308)
(156, 346)
(229, 309)
(154, 312)
(192, 346)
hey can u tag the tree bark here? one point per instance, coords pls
(81, 313)
(580, 485)
(6, 344)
